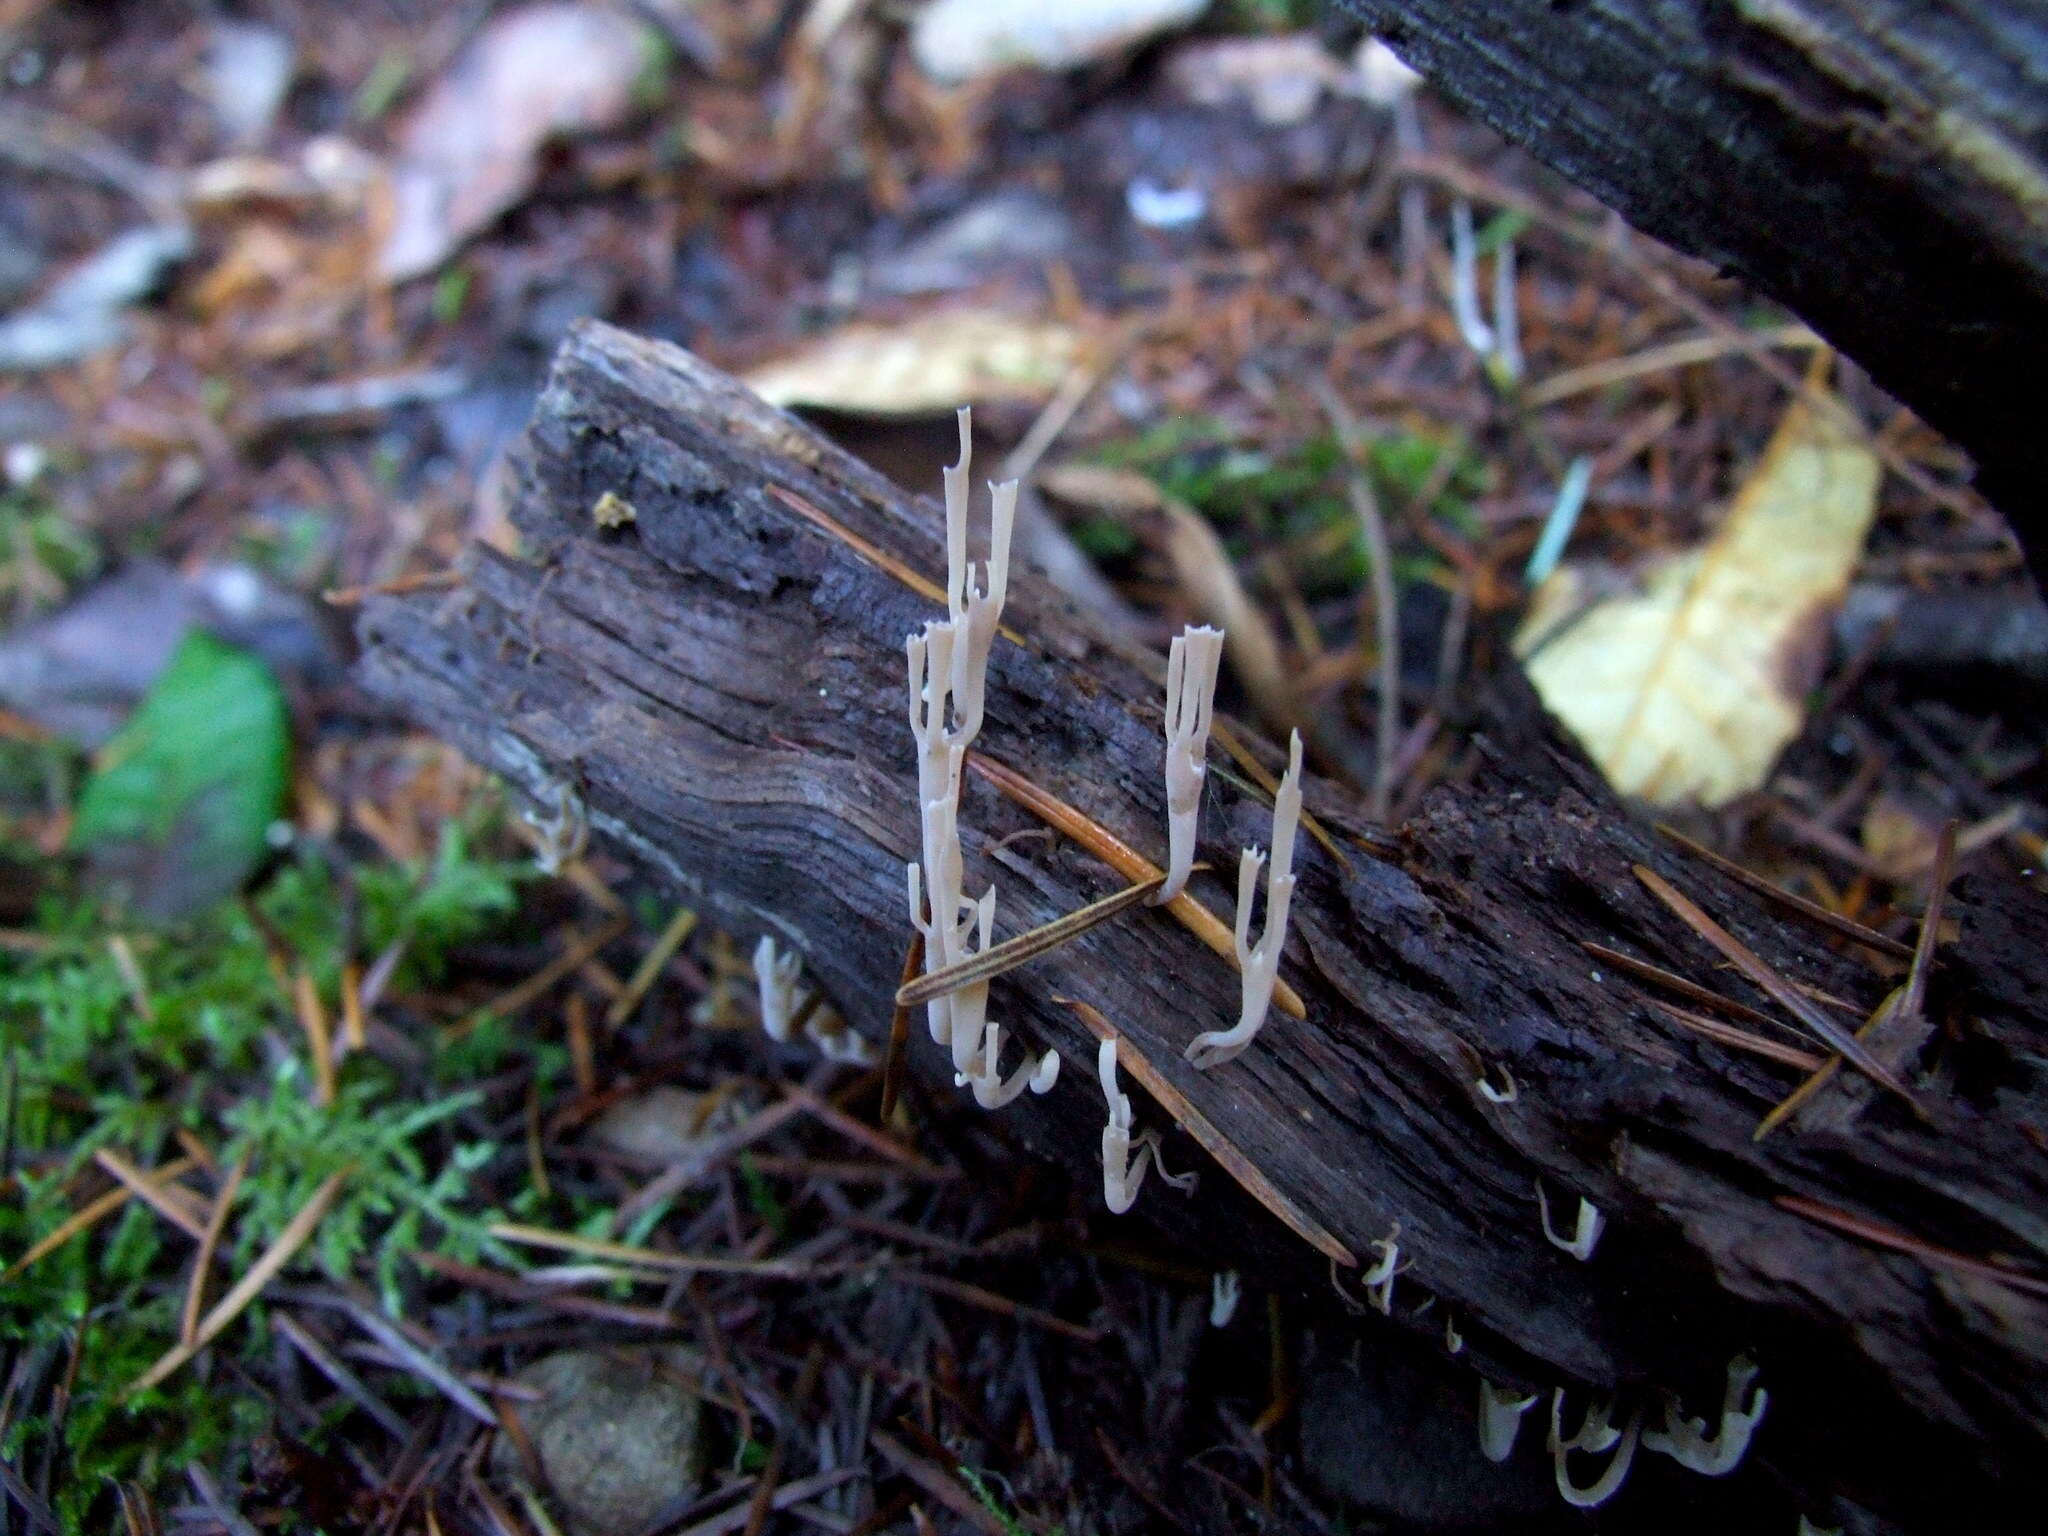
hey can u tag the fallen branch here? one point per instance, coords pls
(718, 686)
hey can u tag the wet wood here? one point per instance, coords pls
(720, 684)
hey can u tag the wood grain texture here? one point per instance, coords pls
(1879, 166)
(723, 682)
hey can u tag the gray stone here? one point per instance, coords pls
(616, 1434)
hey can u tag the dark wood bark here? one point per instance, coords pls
(1879, 166)
(722, 681)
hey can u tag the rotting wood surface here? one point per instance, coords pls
(721, 681)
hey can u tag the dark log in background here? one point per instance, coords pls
(1878, 166)
(722, 681)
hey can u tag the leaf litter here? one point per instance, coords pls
(290, 396)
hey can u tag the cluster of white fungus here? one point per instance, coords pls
(1226, 1289)
(948, 667)
(1378, 1282)
(783, 1003)
(1260, 965)
(1121, 1172)
(1595, 1435)
(1685, 1440)
(948, 684)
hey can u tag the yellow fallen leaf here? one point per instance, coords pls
(1685, 688)
(933, 363)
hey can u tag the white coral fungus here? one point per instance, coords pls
(1261, 965)
(1500, 1419)
(1587, 1233)
(948, 665)
(1686, 1440)
(783, 1002)
(1191, 667)
(1121, 1172)
(1595, 1435)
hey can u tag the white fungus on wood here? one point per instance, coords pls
(990, 1089)
(1225, 1290)
(562, 834)
(1191, 667)
(1584, 1236)
(1378, 1282)
(1500, 1419)
(783, 1002)
(1123, 1173)
(1595, 1435)
(1686, 1441)
(948, 661)
(1595, 1432)
(775, 978)
(1260, 966)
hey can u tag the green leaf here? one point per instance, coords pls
(176, 812)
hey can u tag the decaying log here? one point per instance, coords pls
(1879, 166)
(720, 680)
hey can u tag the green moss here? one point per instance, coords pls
(93, 1059)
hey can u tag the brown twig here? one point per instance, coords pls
(1789, 998)
(1671, 981)
(92, 1213)
(1025, 947)
(249, 1287)
(419, 581)
(1739, 1039)
(158, 1196)
(1834, 922)
(1904, 1242)
(1901, 1004)
(216, 1223)
(1365, 506)
(658, 955)
(874, 554)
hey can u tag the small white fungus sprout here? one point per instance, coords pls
(990, 1090)
(1454, 1341)
(1596, 1432)
(1191, 667)
(1494, 1095)
(783, 1002)
(1595, 1435)
(1686, 1441)
(1499, 345)
(1500, 1419)
(776, 974)
(1260, 966)
(1580, 1244)
(1378, 1281)
(561, 834)
(1122, 1173)
(976, 609)
(1225, 1291)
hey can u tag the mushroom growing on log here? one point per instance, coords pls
(720, 684)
